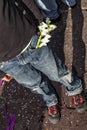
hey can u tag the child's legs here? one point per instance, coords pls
(45, 61)
(30, 78)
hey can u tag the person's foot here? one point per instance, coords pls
(79, 102)
(53, 114)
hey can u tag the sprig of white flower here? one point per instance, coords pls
(45, 29)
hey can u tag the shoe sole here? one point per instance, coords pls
(83, 109)
(54, 120)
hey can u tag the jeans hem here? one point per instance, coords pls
(75, 92)
(52, 104)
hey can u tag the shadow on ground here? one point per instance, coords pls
(28, 107)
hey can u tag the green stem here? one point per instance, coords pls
(38, 42)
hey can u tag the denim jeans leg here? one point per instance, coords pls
(69, 2)
(49, 8)
(23, 68)
(26, 75)
(44, 60)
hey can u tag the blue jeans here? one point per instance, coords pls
(26, 69)
(49, 8)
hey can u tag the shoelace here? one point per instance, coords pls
(52, 110)
(78, 99)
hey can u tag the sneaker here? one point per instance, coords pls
(53, 114)
(80, 103)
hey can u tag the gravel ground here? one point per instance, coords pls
(69, 41)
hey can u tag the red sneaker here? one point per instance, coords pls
(80, 103)
(54, 114)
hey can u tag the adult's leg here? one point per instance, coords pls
(69, 2)
(49, 8)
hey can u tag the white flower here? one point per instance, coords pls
(42, 44)
(52, 27)
(47, 36)
(42, 26)
(45, 29)
(44, 32)
(45, 40)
